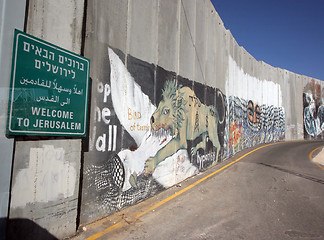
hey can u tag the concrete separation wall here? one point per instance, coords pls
(12, 14)
(46, 173)
(162, 79)
(172, 94)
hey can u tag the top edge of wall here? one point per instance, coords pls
(214, 12)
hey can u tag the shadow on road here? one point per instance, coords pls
(20, 228)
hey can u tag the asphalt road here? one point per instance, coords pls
(275, 192)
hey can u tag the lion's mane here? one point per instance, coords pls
(172, 91)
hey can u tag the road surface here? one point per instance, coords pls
(272, 192)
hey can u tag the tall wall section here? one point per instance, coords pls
(11, 17)
(172, 93)
(46, 170)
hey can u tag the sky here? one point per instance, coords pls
(283, 33)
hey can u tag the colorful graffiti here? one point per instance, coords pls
(254, 114)
(252, 124)
(165, 144)
(169, 127)
(235, 134)
(174, 116)
(313, 110)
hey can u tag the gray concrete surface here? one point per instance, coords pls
(12, 16)
(293, 108)
(142, 29)
(58, 22)
(211, 52)
(46, 173)
(299, 107)
(221, 65)
(273, 193)
(45, 188)
(201, 41)
(187, 53)
(168, 34)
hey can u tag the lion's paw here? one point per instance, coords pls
(150, 165)
(133, 179)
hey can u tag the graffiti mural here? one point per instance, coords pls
(251, 124)
(153, 129)
(174, 116)
(313, 111)
(157, 129)
(170, 128)
(256, 113)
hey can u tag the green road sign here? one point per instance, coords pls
(49, 89)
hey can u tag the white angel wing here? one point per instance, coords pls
(128, 98)
(133, 108)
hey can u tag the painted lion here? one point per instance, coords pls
(181, 114)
